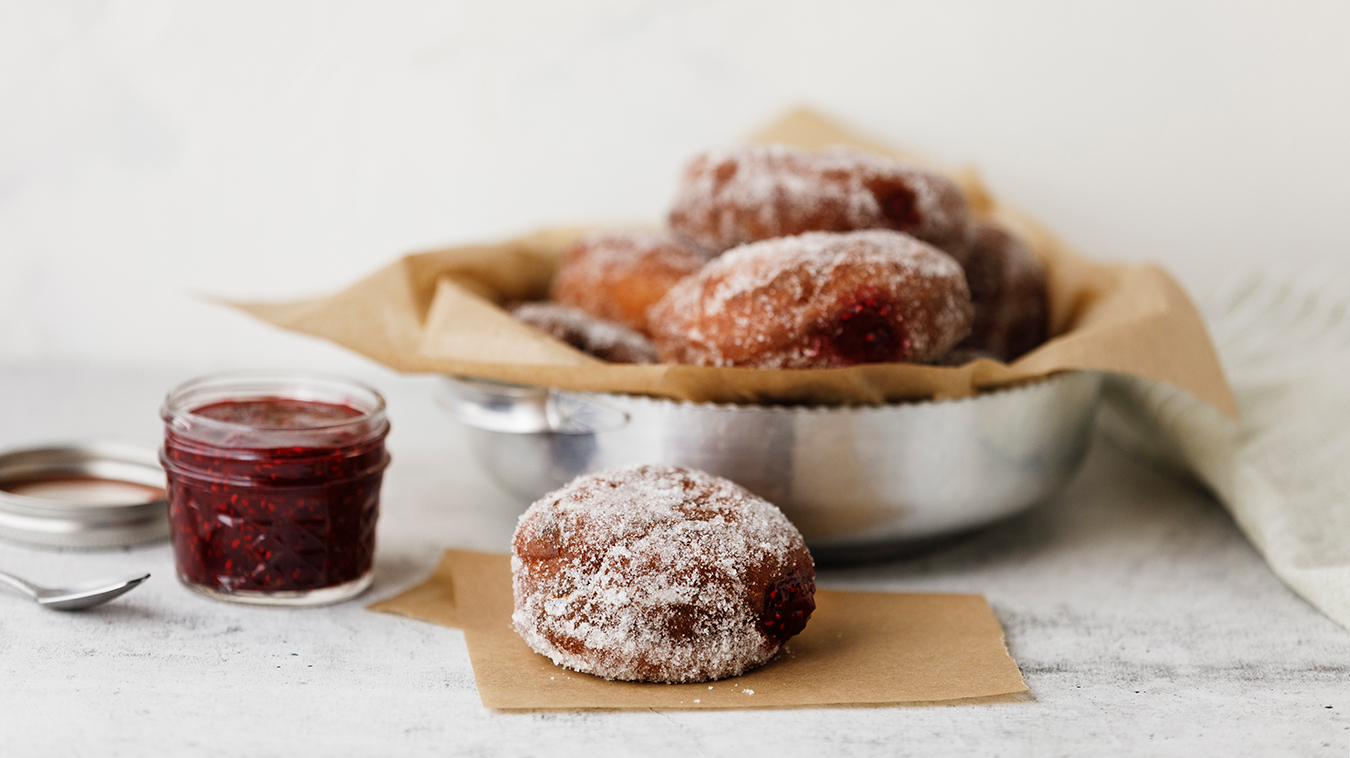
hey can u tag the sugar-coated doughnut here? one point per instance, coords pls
(659, 574)
(605, 340)
(753, 192)
(817, 300)
(618, 276)
(1009, 290)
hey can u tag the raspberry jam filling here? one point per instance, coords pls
(870, 330)
(277, 413)
(787, 608)
(899, 205)
(275, 519)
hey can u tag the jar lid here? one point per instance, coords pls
(83, 495)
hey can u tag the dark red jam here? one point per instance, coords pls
(869, 330)
(787, 608)
(278, 413)
(899, 204)
(273, 494)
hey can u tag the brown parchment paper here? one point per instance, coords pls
(859, 647)
(439, 312)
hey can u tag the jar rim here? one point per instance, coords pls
(310, 386)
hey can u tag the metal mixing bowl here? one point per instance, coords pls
(859, 482)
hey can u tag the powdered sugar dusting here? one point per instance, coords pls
(1009, 290)
(747, 193)
(819, 255)
(652, 573)
(603, 339)
(765, 304)
(617, 276)
(608, 251)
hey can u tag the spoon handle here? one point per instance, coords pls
(19, 584)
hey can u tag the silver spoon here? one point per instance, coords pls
(75, 598)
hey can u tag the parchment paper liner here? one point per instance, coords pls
(438, 312)
(859, 647)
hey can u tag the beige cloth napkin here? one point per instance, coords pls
(1283, 471)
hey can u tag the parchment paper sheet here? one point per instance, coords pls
(859, 647)
(439, 312)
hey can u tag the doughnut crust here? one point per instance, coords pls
(1009, 290)
(618, 276)
(605, 340)
(754, 192)
(817, 300)
(658, 574)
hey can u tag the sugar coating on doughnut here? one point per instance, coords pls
(748, 193)
(619, 275)
(817, 300)
(605, 340)
(1010, 293)
(658, 574)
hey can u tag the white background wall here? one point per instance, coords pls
(151, 151)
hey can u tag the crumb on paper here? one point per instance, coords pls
(748, 692)
(696, 700)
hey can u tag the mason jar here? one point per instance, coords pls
(274, 485)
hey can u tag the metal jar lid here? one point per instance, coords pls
(84, 495)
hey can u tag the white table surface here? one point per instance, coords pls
(1143, 621)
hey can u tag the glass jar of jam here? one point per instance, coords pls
(274, 485)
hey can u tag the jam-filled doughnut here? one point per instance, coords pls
(817, 300)
(617, 276)
(1009, 290)
(605, 340)
(659, 574)
(755, 192)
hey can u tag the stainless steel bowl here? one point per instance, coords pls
(859, 482)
